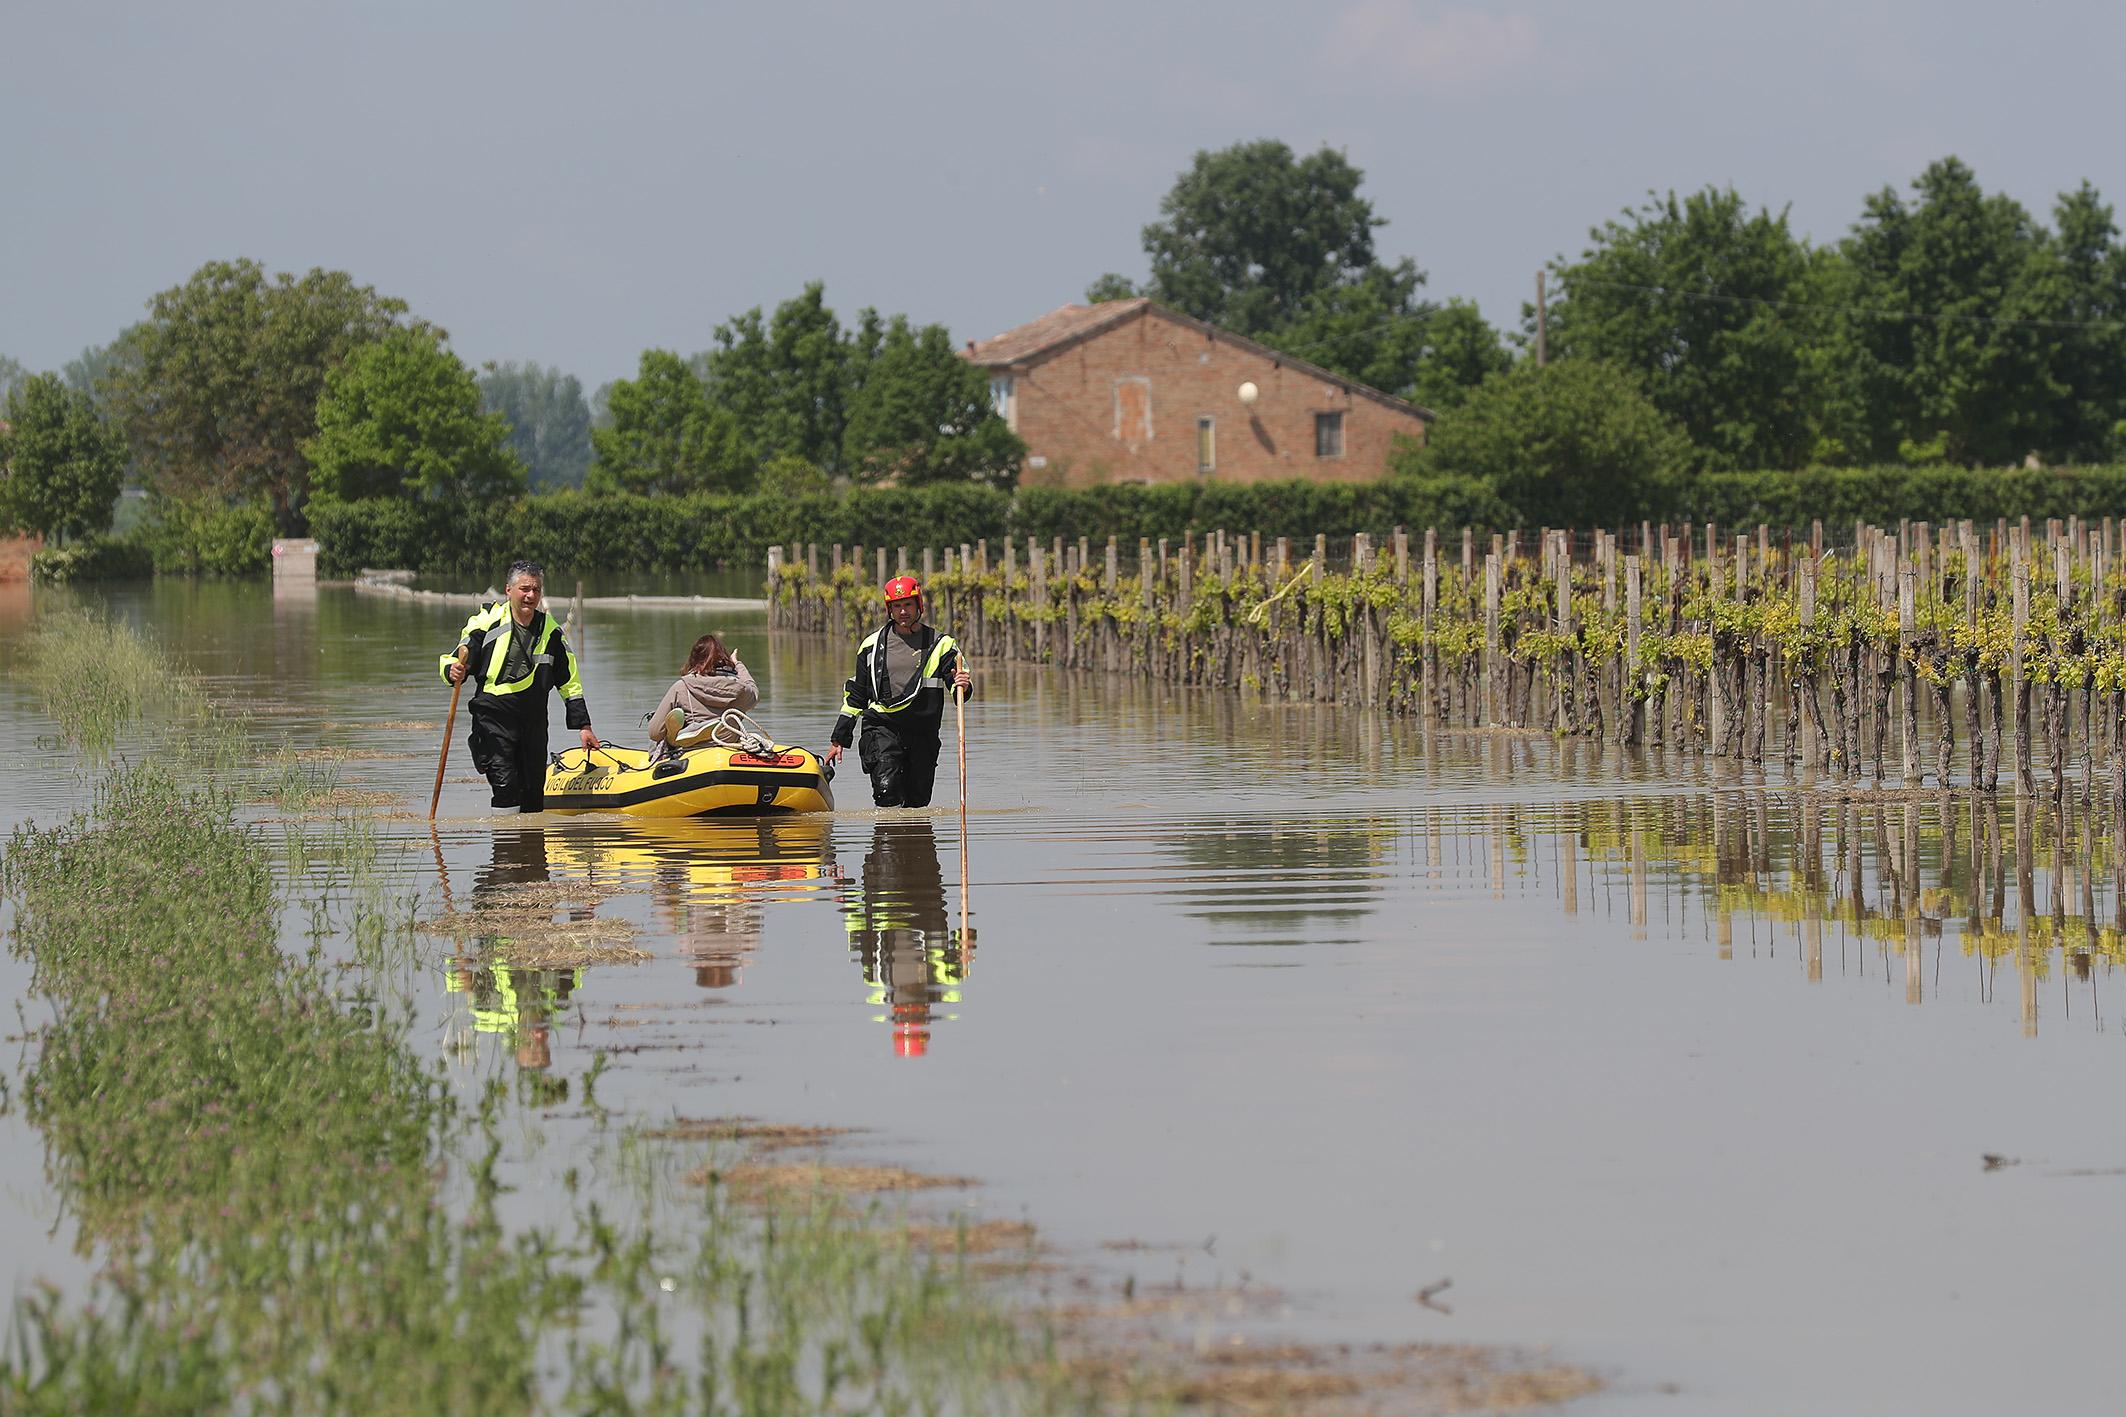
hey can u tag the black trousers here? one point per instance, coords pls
(903, 765)
(510, 752)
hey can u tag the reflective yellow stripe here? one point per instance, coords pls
(478, 621)
(499, 653)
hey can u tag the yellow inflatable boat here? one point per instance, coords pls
(707, 778)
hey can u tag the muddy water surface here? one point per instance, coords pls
(1693, 1078)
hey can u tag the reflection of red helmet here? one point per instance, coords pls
(902, 588)
(910, 1040)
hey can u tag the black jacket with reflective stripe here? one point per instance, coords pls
(486, 640)
(915, 713)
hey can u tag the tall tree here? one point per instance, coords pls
(2079, 287)
(923, 414)
(1111, 287)
(1250, 234)
(1932, 347)
(667, 437)
(60, 462)
(1280, 248)
(1371, 329)
(402, 417)
(1461, 350)
(1574, 443)
(11, 374)
(549, 420)
(784, 379)
(218, 389)
(1697, 296)
(91, 371)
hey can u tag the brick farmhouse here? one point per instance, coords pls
(1130, 391)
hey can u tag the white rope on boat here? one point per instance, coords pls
(735, 730)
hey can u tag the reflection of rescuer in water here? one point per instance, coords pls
(510, 1001)
(514, 653)
(913, 960)
(895, 702)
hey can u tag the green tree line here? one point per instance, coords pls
(247, 401)
(1692, 334)
(1693, 337)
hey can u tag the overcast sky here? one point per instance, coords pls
(573, 183)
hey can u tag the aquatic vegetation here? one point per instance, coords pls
(117, 694)
(289, 1208)
(99, 677)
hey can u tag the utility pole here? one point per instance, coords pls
(1542, 323)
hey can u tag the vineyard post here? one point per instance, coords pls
(1425, 609)
(1907, 649)
(2018, 690)
(1491, 639)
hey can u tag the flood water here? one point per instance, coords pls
(1690, 1076)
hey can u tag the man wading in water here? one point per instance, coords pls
(519, 654)
(898, 694)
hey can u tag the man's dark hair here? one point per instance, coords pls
(523, 568)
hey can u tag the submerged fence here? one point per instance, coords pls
(1743, 647)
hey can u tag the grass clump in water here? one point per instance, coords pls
(290, 1211)
(99, 678)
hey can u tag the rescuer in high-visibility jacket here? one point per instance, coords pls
(516, 652)
(894, 704)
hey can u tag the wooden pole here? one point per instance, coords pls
(959, 712)
(1907, 672)
(449, 722)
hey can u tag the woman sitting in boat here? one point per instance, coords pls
(712, 683)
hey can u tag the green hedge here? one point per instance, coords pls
(628, 533)
(1885, 495)
(210, 539)
(182, 539)
(1296, 509)
(93, 558)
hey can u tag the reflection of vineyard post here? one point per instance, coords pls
(2118, 862)
(1812, 919)
(2086, 868)
(1638, 878)
(2025, 910)
(1914, 949)
(1569, 866)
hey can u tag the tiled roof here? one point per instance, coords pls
(1056, 327)
(1072, 323)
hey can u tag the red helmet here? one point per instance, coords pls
(910, 1040)
(902, 588)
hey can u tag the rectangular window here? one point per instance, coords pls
(1000, 395)
(1328, 435)
(1206, 443)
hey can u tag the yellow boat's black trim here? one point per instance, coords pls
(679, 783)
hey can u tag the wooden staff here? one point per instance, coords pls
(443, 757)
(959, 710)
